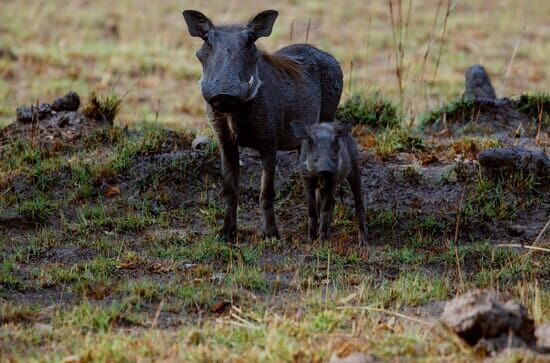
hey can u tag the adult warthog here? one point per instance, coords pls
(253, 96)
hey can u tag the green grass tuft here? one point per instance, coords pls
(536, 105)
(38, 209)
(460, 109)
(103, 108)
(375, 111)
(392, 140)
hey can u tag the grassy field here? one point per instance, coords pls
(47, 47)
(117, 259)
(112, 253)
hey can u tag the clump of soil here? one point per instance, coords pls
(514, 159)
(483, 321)
(59, 123)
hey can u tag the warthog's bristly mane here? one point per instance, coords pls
(283, 64)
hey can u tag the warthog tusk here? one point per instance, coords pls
(251, 81)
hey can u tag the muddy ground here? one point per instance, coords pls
(414, 189)
(76, 195)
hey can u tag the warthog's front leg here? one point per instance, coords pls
(267, 195)
(230, 169)
(230, 166)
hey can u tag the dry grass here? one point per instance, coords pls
(141, 285)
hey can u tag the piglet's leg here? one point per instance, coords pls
(354, 180)
(313, 217)
(326, 206)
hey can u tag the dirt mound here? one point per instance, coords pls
(479, 111)
(50, 125)
(481, 116)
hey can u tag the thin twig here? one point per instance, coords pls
(528, 253)
(457, 229)
(516, 46)
(367, 49)
(236, 323)
(398, 48)
(389, 312)
(350, 77)
(444, 32)
(518, 245)
(158, 112)
(157, 314)
(541, 233)
(408, 20)
(430, 41)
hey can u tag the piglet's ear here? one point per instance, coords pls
(342, 129)
(300, 129)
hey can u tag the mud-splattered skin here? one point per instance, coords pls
(252, 97)
(328, 155)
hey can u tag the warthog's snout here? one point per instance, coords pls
(224, 102)
(326, 174)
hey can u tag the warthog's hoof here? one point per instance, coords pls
(227, 235)
(313, 238)
(362, 239)
(270, 233)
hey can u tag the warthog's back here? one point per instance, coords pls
(318, 65)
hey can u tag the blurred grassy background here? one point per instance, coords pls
(50, 47)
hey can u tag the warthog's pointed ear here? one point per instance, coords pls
(342, 129)
(262, 23)
(300, 129)
(197, 23)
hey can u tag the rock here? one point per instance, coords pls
(511, 159)
(44, 110)
(479, 318)
(543, 337)
(478, 84)
(201, 142)
(25, 113)
(69, 102)
(355, 357)
(11, 219)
